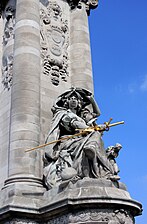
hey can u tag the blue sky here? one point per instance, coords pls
(118, 31)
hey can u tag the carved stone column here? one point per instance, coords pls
(80, 53)
(25, 99)
(7, 46)
(46, 50)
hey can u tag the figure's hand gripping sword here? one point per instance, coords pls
(99, 128)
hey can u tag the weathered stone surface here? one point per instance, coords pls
(80, 65)
(6, 62)
(82, 154)
(87, 201)
(49, 53)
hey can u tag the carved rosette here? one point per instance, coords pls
(54, 43)
(8, 40)
(96, 216)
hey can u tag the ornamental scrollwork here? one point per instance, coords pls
(7, 72)
(21, 221)
(105, 216)
(9, 16)
(96, 216)
(54, 43)
(8, 40)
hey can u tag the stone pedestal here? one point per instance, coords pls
(87, 201)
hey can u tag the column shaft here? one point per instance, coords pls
(25, 104)
(80, 53)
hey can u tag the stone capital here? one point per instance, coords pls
(89, 4)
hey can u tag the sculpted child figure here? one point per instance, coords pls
(80, 156)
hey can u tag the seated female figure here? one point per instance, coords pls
(79, 156)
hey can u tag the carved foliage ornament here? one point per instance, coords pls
(7, 72)
(7, 61)
(87, 216)
(54, 43)
(9, 19)
(96, 216)
(111, 217)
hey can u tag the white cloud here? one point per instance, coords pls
(132, 88)
(143, 85)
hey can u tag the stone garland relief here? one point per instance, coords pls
(87, 216)
(54, 43)
(7, 72)
(96, 216)
(111, 217)
(7, 60)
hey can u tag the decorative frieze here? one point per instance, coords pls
(107, 216)
(54, 43)
(21, 221)
(96, 216)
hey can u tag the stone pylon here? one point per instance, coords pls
(45, 50)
